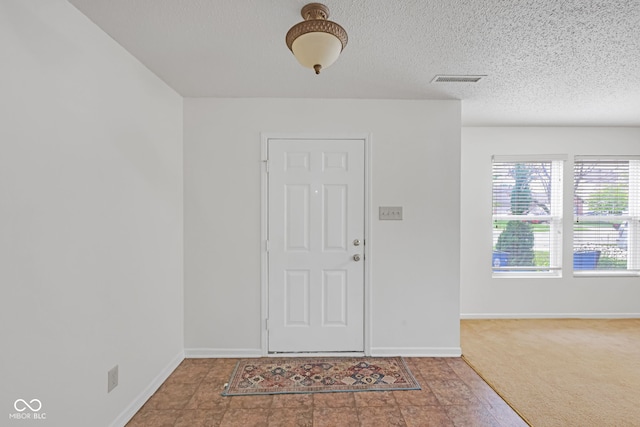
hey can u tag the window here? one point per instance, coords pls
(606, 209)
(527, 216)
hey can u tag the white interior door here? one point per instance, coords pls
(315, 245)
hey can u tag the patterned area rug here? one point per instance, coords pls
(319, 375)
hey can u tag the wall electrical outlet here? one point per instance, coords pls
(112, 378)
(390, 212)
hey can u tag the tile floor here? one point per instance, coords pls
(452, 395)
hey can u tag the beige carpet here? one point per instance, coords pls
(560, 372)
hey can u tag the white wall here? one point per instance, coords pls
(415, 262)
(90, 219)
(482, 296)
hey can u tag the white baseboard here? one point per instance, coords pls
(222, 352)
(417, 351)
(549, 316)
(135, 406)
(378, 351)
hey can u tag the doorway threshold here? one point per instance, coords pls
(318, 354)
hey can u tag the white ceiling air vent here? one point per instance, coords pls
(456, 79)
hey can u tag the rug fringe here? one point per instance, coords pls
(225, 391)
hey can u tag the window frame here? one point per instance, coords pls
(555, 218)
(632, 218)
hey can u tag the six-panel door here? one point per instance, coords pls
(316, 230)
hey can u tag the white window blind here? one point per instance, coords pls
(527, 217)
(606, 211)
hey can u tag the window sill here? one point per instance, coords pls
(510, 275)
(596, 273)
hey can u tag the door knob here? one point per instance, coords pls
(356, 257)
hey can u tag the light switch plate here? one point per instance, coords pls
(390, 212)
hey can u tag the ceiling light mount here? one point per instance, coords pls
(316, 42)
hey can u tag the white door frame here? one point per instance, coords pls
(264, 226)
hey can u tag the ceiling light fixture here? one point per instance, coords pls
(316, 42)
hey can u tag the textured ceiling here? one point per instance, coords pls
(548, 62)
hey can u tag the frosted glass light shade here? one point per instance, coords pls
(316, 42)
(318, 48)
